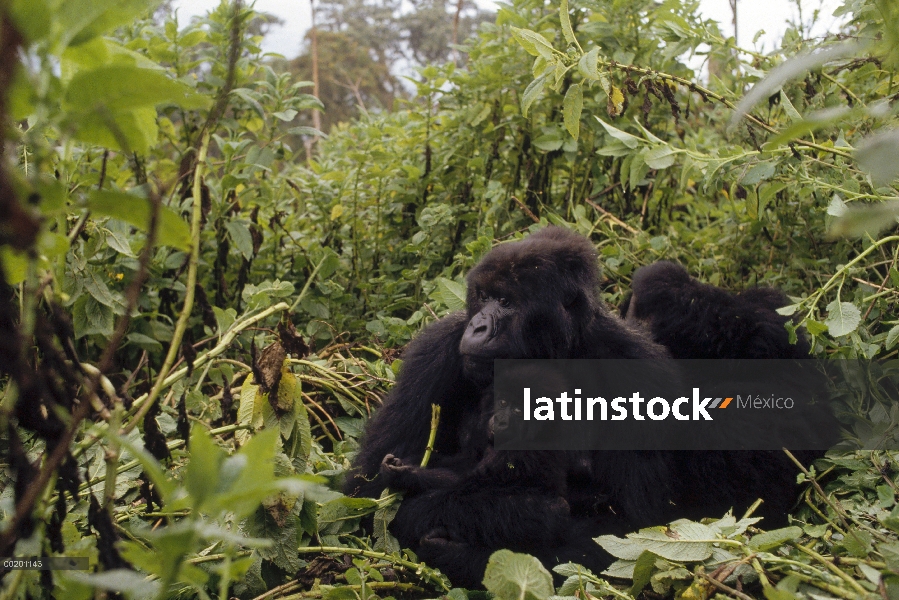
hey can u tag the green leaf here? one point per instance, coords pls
(858, 221)
(202, 476)
(567, 31)
(643, 571)
(145, 342)
(533, 43)
(892, 337)
(877, 154)
(858, 543)
(302, 429)
(572, 106)
(33, 18)
(101, 52)
(837, 206)
(285, 115)
(587, 65)
(815, 327)
(384, 540)
(772, 539)
(247, 477)
(452, 293)
(684, 541)
(759, 172)
(892, 520)
(843, 318)
(130, 131)
(637, 170)
(788, 107)
(249, 412)
(886, 497)
(519, 576)
(124, 87)
(95, 285)
(224, 318)
(813, 122)
(787, 71)
(134, 210)
(239, 232)
(15, 265)
(660, 157)
(531, 93)
(306, 131)
(549, 142)
(83, 20)
(328, 264)
(631, 141)
(90, 317)
(117, 237)
(263, 294)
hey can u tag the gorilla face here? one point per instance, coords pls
(529, 299)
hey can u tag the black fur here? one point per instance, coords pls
(700, 321)
(538, 298)
(697, 320)
(518, 500)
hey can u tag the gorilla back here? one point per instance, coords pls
(697, 320)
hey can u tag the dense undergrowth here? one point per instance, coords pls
(176, 272)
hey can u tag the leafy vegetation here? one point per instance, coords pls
(197, 317)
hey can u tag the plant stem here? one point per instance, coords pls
(191, 285)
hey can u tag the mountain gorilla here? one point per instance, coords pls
(697, 320)
(694, 320)
(458, 514)
(533, 298)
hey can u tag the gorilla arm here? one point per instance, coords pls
(431, 374)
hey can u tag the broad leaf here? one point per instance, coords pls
(520, 576)
(565, 18)
(124, 87)
(631, 141)
(587, 65)
(684, 541)
(877, 154)
(572, 106)
(531, 93)
(172, 230)
(843, 318)
(533, 43)
(787, 71)
(772, 539)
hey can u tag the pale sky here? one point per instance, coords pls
(752, 16)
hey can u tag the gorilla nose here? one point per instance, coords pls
(479, 331)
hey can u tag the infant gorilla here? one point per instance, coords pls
(528, 488)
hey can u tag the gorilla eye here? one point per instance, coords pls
(504, 303)
(482, 296)
(503, 403)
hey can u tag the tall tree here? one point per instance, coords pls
(351, 80)
(363, 46)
